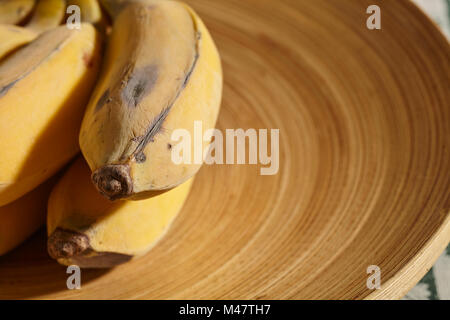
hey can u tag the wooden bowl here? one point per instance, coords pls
(364, 168)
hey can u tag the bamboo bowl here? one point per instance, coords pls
(364, 172)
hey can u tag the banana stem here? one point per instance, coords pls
(113, 181)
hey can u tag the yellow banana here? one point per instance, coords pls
(21, 218)
(113, 7)
(13, 37)
(87, 230)
(15, 11)
(44, 88)
(47, 15)
(90, 10)
(162, 72)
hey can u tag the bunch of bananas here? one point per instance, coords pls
(115, 88)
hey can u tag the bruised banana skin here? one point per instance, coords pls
(13, 37)
(48, 14)
(161, 73)
(15, 11)
(44, 88)
(21, 218)
(87, 230)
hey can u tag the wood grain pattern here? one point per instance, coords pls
(364, 176)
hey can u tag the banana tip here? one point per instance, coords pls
(113, 181)
(66, 244)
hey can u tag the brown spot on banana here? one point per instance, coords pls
(87, 59)
(134, 87)
(139, 84)
(140, 157)
(104, 99)
(71, 247)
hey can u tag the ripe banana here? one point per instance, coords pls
(21, 218)
(90, 10)
(15, 11)
(47, 15)
(13, 37)
(87, 230)
(162, 72)
(44, 88)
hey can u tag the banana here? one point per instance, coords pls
(21, 218)
(44, 88)
(161, 72)
(13, 37)
(47, 15)
(15, 11)
(113, 7)
(87, 230)
(90, 10)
